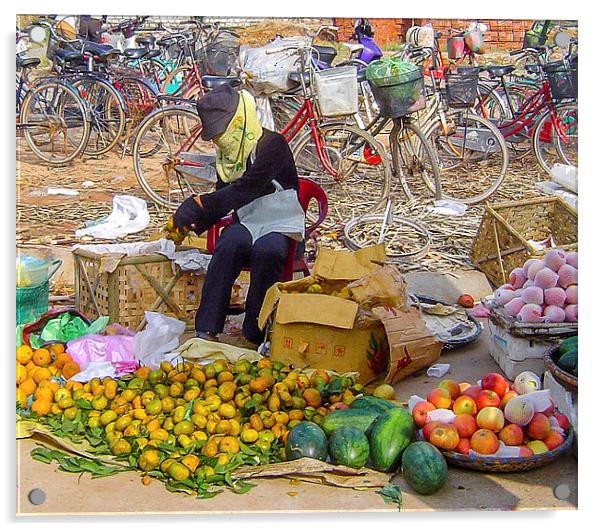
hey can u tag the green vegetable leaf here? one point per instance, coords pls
(391, 493)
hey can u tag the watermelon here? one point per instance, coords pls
(424, 467)
(358, 418)
(372, 402)
(389, 437)
(349, 446)
(568, 361)
(567, 345)
(306, 439)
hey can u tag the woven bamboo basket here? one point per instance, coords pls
(509, 464)
(503, 241)
(567, 380)
(124, 288)
(546, 331)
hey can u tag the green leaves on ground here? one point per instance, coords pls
(391, 493)
(75, 464)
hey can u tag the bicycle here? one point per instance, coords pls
(51, 116)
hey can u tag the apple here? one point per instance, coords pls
(490, 418)
(539, 427)
(464, 386)
(473, 391)
(553, 440)
(445, 437)
(466, 425)
(428, 428)
(487, 398)
(484, 442)
(511, 435)
(550, 409)
(465, 405)
(495, 382)
(451, 386)
(420, 412)
(507, 397)
(463, 446)
(525, 451)
(537, 447)
(440, 398)
(563, 420)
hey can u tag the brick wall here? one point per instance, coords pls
(502, 34)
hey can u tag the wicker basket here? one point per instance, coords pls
(546, 331)
(509, 464)
(503, 243)
(567, 380)
(124, 288)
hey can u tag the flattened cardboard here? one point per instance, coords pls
(447, 287)
(383, 287)
(347, 265)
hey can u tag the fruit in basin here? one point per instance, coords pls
(466, 425)
(490, 418)
(518, 411)
(511, 435)
(445, 437)
(451, 386)
(507, 397)
(420, 411)
(484, 442)
(553, 440)
(472, 391)
(463, 447)
(525, 451)
(487, 398)
(440, 398)
(539, 427)
(495, 382)
(465, 405)
(428, 428)
(537, 447)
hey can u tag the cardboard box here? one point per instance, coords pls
(364, 327)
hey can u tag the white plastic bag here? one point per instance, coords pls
(161, 335)
(129, 215)
(266, 69)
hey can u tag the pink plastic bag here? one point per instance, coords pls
(117, 350)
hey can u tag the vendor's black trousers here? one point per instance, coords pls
(234, 251)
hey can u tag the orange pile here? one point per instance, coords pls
(35, 370)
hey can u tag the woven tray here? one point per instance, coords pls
(500, 317)
(567, 380)
(509, 464)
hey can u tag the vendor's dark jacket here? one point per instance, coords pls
(273, 161)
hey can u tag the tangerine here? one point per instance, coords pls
(21, 373)
(41, 407)
(28, 386)
(41, 357)
(42, 373)
(57, 348)
(24, 354)
(70, 369)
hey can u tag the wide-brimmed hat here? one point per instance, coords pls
(216, 109)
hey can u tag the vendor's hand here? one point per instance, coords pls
(187, 215)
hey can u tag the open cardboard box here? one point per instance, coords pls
(358, 322)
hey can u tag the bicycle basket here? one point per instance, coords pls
(398, 87)
(462, 86)
(336, 89)
(562, 78)
(218, 57)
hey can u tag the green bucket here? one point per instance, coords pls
(32, 303)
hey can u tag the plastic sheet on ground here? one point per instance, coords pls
(160, 336)
(202, 351)
(130, 214)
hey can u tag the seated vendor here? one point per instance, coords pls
(248, 159)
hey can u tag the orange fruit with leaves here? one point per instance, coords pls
(70, 369)
(41, 407)
(24, 354)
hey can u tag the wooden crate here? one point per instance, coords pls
(502, 241)
(125, 287)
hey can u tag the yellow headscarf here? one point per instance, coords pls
(238, 141)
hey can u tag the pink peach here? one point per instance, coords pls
(553, 314)
(546, 278)
(572, 315)
(571, 294)
(555, 259)
(554, 296)
(532, 295)
(567, 275)
(571, 259)
(530, 313)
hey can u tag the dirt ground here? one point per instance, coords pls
(465, 489)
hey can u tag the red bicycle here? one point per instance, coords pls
(171, 161)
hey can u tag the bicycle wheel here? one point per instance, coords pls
(107, 114)
(558, 143)
(472, 157)
(414, 159)
(403, 238)
(55, 122)
(351, 166)
(140, 100)
(172, 84)
(160, 141)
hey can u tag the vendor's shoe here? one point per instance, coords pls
(238, 341)
(207, 336)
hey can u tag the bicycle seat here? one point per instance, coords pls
(153, 53)
(146, 40)
(212, 82)
(295, 77)
(499, 71)
(27, 62)
(326, 54)
(135, 53)
(532, 68)
(97, 49)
